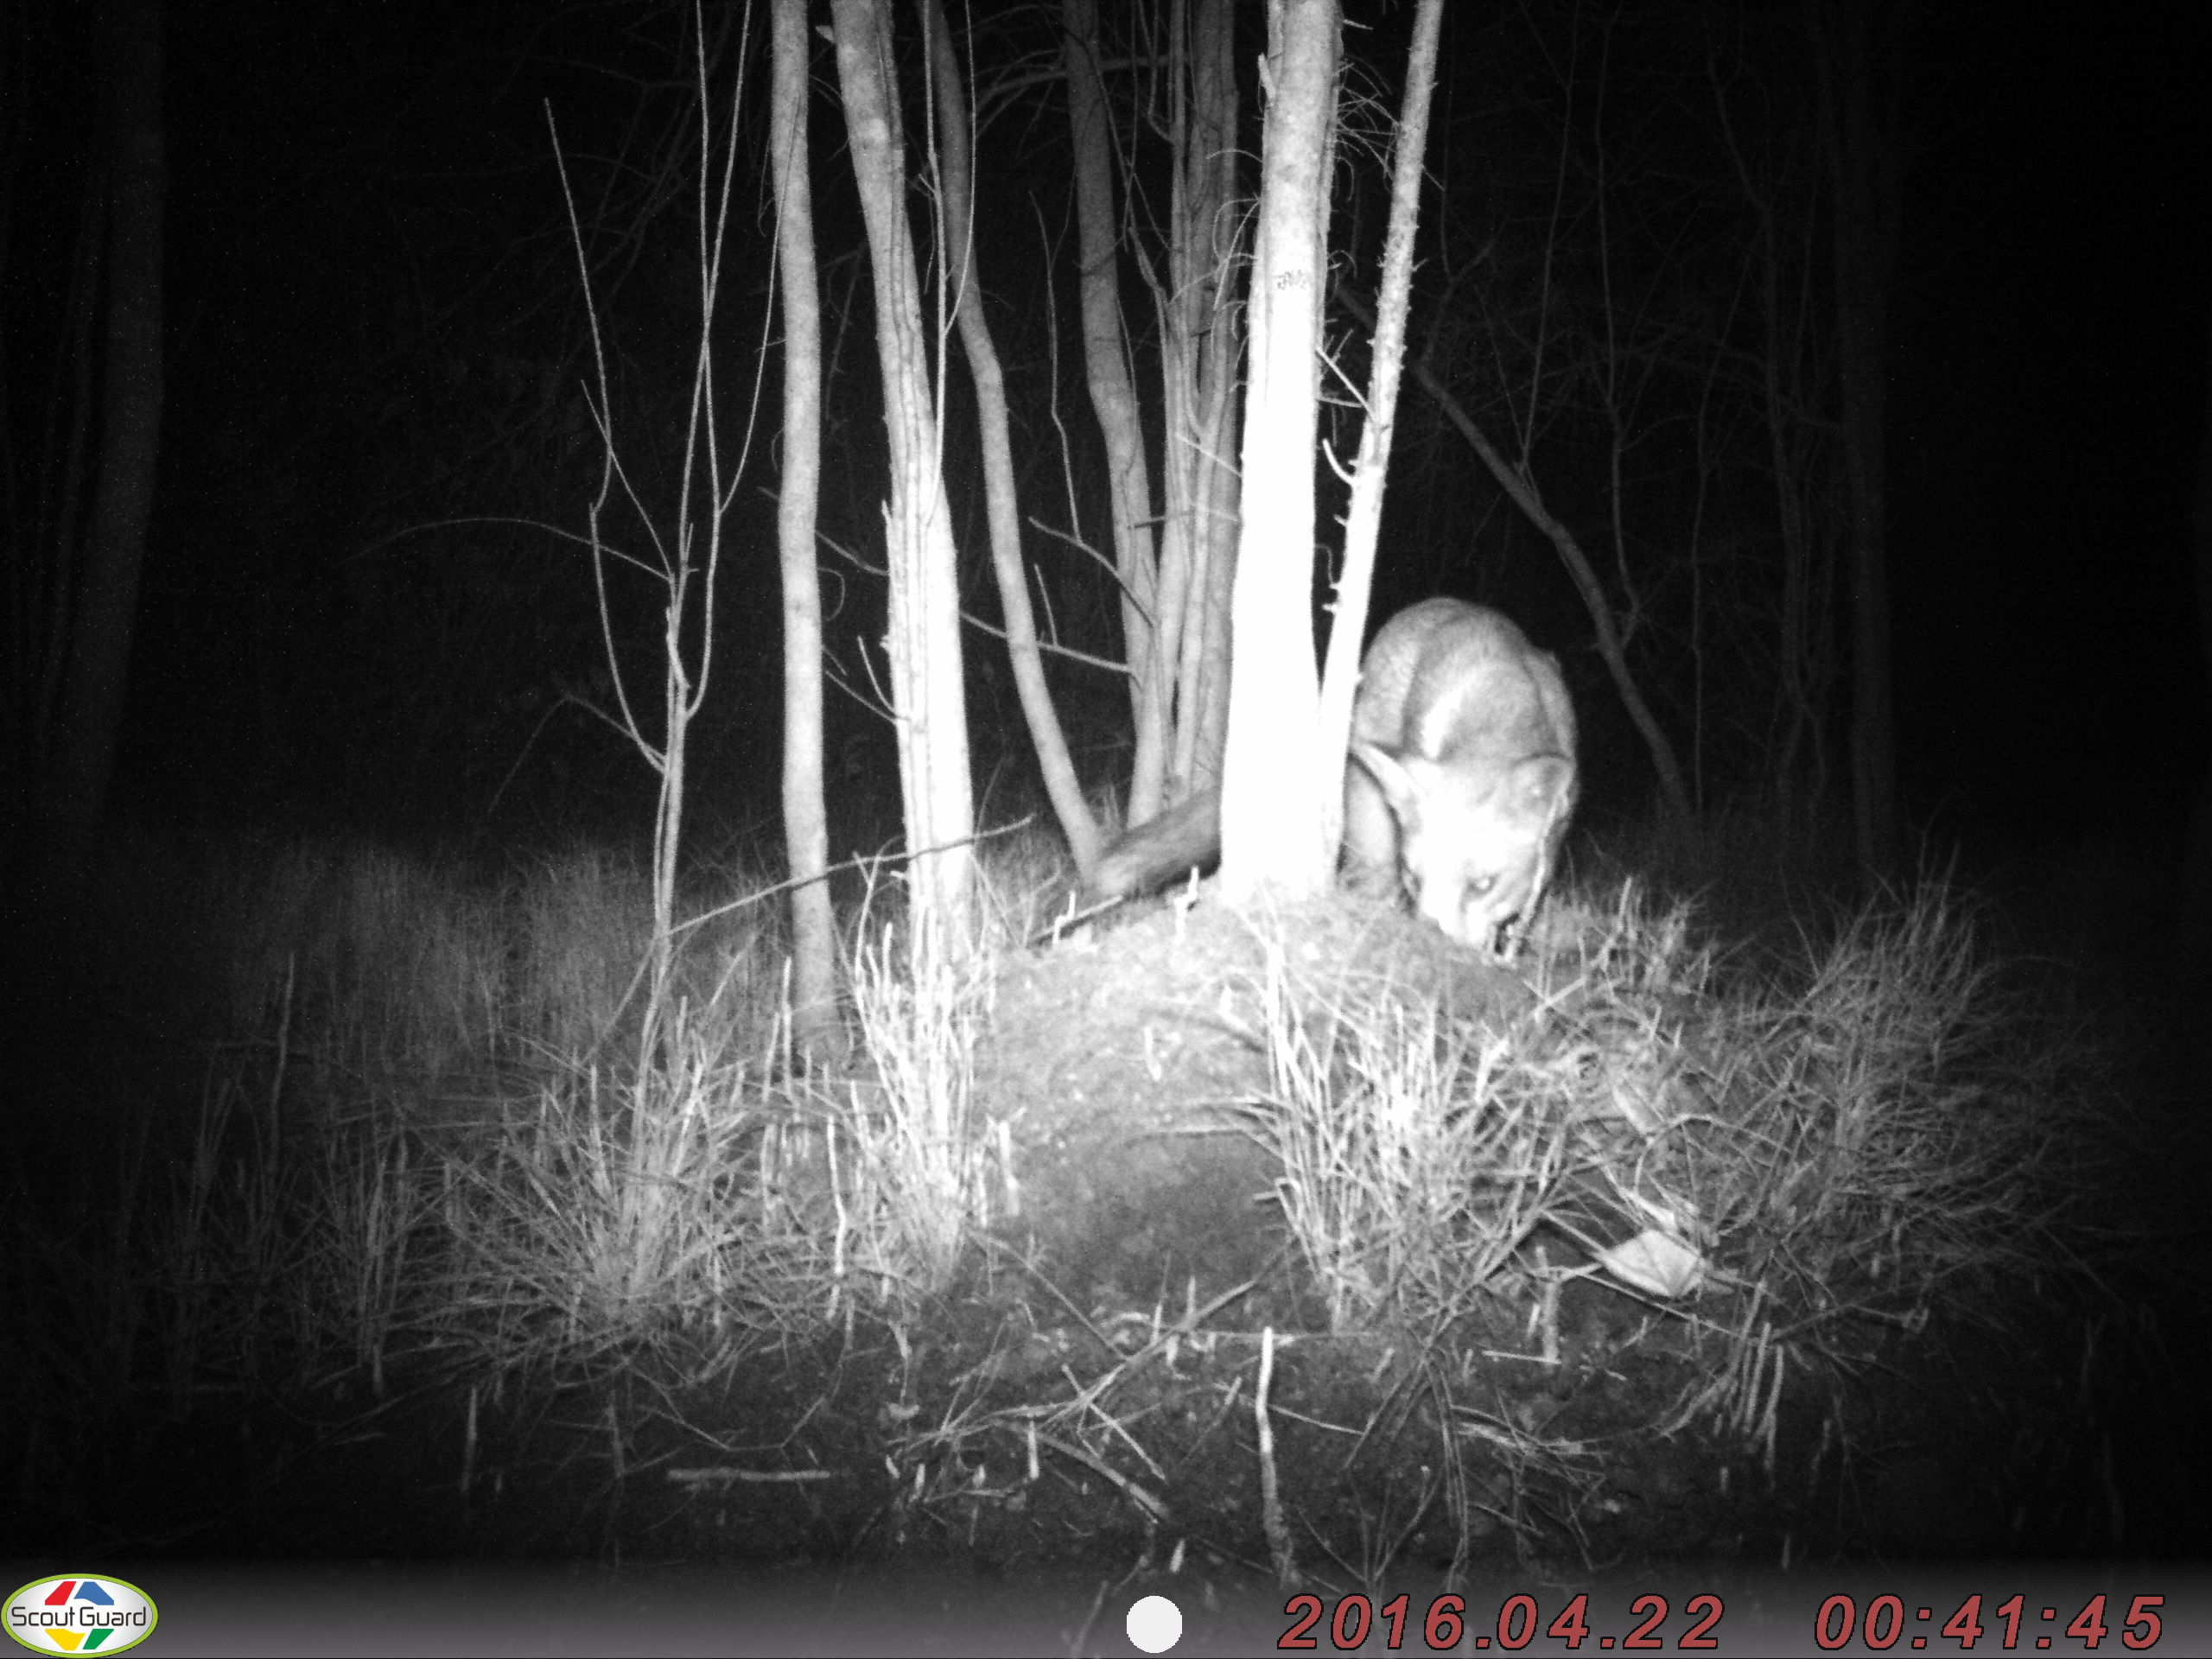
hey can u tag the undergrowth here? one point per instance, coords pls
(433, 1145)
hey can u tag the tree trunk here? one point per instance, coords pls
(1272, 780)
(956, 164)
(924, 601)
(1364, 518)
(80, 758)
(1201, 363)
(1114, 401)
(1863, 173)
(806, 827)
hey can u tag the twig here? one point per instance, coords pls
(1155, 1507)
(727, 1477)
(1271, 1521)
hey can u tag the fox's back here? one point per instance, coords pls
(1445, 678)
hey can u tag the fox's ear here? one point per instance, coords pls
(1396, 775)
(1544, 786)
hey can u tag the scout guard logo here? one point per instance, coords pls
(100, 1616)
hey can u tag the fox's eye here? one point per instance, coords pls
(1481, 885)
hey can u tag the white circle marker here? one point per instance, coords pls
(1155, 1624)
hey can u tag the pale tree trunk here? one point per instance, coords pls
(924, 602)
(1273, 781)
(1114, 401)
(955, 162)
(1208, 677)
(1863, 172)
(79, 751)
(806, 829)
(1175, 584)
(1371, 470)
(1200, 354)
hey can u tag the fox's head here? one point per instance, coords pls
(1475, 845)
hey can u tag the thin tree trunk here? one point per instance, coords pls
(1181, 553)
(80, 754)
(1208, 683)
(1271, 789)
(1863, 170)
(806, 827)
(956, 164)
(1114, 400)
(924, 609)
(1364, 516)
(1204, 361)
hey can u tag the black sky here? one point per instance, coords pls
(2049, 388)
(367, 271)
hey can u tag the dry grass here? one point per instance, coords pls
(426, 1149)
(1788, 1166)
(1417, 1158)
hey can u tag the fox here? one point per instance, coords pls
(1460, 783)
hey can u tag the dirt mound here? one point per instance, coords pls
(1124, 1058)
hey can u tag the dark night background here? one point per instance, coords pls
(375, 352)
(2049, 384)
(367, 630)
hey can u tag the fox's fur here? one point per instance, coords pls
(1463, 780)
